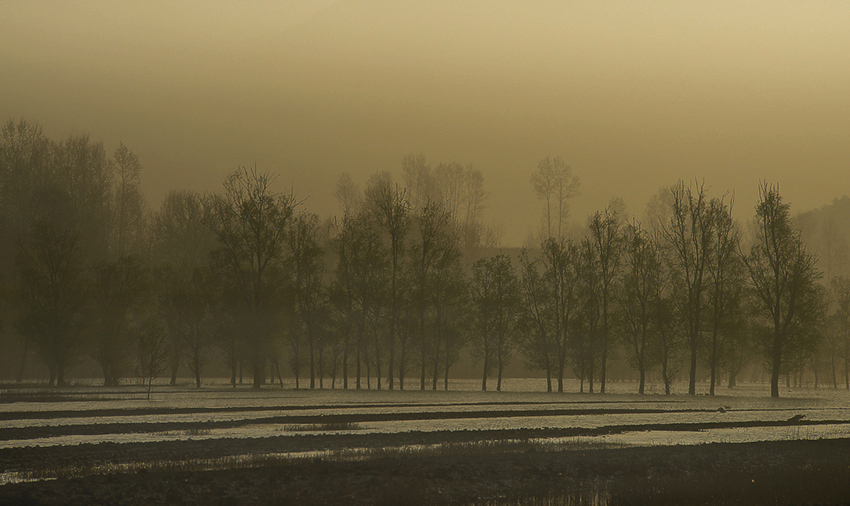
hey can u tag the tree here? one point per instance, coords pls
(83, 172)
(726, 284)
(666, 344)
(550, 289)
(129, 204)
(784, 278)
(555, 184)
(152, 351)
(841, 319)
(448, 292)
(118, 289)
(537, 335)
(308, 268)
(360, 287)
(689, 233)
(25, 167)
(638, 287)
(433, 238)
(418, 181)
(391, 210)
(606, 242)
(250, 221)
(181, 242)
(496, 300)
(185, 301)
(53, 296)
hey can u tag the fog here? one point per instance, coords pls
(633, 95)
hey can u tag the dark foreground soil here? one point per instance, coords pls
(775, 473)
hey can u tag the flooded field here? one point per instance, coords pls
(35, 417)
(89, 431)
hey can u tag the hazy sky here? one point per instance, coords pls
(633, 94)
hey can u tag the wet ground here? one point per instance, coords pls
(217, 445)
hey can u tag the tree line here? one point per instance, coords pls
(394, 291)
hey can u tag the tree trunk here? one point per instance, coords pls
(604, 372)
(175, 365)
(378, 358)
(279, 377)
(401, 370)
(20, 376)
(499, 381)
(713, 360)
(561, 366)
(436, 370)
(233, 368)
(834, 371)
(484, 378)
(368, 374)
(391, 364)
(642, 370)
(357, 360)
(774, 373)
(446, 378)
(259, 374)
(847, 371)
(60, 375)
(312, 360)
(692, 379)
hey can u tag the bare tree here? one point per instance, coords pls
(689, 232)
(129, 220)
(83, 172)
(152, 351)
(667, 342)
(391, 210)
(180, 248)
(447, 290)
(726, 278)
(538, 335)
(250, 221)
(496, 299)
(784, 279)
(606, 240)
(841, 317)
(640, 276)
(432, 237)
(559, 304)
(308, 266)
(418, 180)
(53, 297)
(555, 184)
(118, 289)
(25, 166)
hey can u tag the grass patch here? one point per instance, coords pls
(326, 426)
(197, 432)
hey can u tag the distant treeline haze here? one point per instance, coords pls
(404, 283)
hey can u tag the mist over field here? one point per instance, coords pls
(633, 96)
(447, 252)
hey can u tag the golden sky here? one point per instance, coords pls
(635, 95)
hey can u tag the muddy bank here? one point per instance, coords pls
(787, 472)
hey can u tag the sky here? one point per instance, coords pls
(634, 95)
